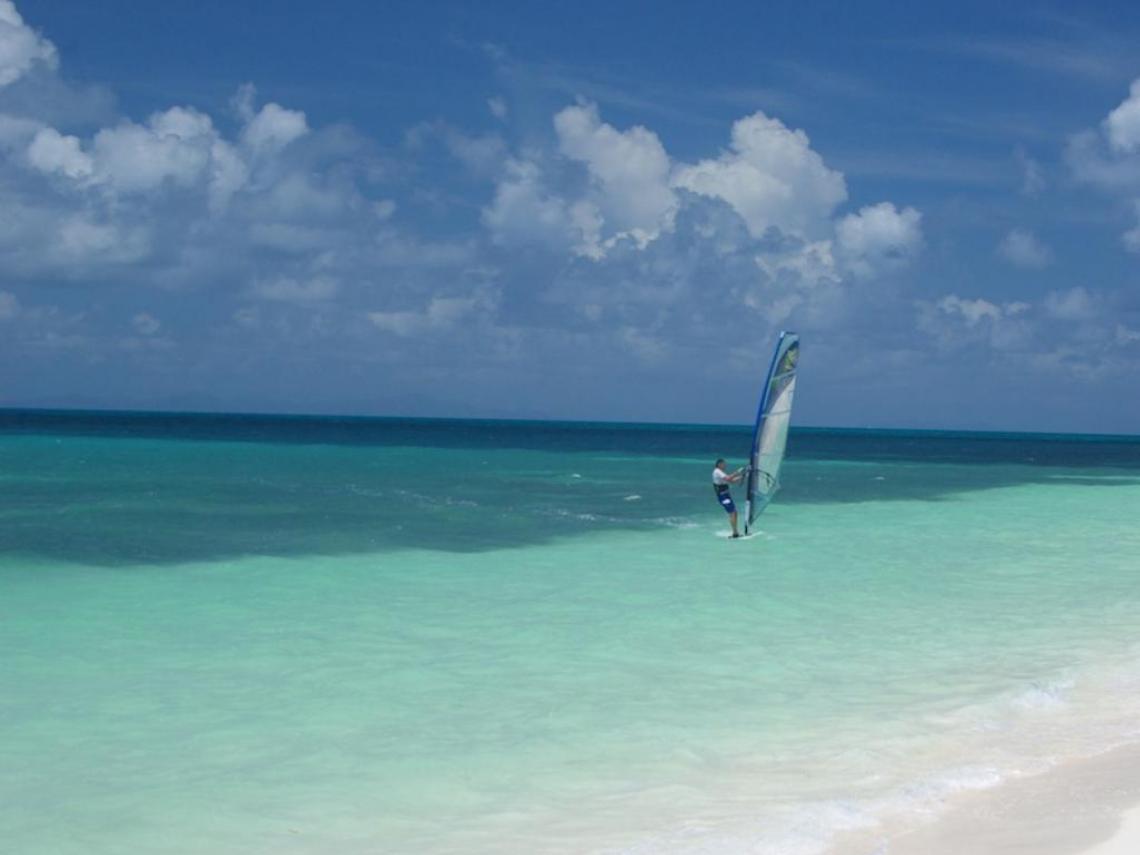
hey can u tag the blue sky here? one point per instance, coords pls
(598, 211)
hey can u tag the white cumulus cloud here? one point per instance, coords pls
(878, 238)
(1123, 124)
(441, 313)
(632, 193)
(1075, 304)
(803, 265)
(20, 46)
(84, 240)
(955, 322)
(52, 152)
(179, 147)
(524, 211)
(772, 177)
(972, 311)
(173, 146)
(1109, 157)
(273, 128)
(1021, 248)
(1032, 178)
(483, 154)
(629, 174)
(269, 129)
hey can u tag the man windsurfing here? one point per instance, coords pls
(721, 480)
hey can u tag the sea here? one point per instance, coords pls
(258, 634)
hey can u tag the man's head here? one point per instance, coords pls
(720, 464)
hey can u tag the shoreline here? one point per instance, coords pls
(1088, 806)
(1126, 840)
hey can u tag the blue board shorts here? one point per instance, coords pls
(726, 503)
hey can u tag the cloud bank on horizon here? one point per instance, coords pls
(572, 267)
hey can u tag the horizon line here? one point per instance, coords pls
(251, 414)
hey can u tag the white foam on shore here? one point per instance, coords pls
(1087, 806)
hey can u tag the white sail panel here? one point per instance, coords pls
(773, 418)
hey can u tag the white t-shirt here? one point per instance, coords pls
(720, 478)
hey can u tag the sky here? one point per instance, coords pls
(600, 211)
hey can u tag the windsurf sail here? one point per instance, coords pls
(770, 436)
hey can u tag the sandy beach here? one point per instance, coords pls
(1125, 841)
(1085, 807)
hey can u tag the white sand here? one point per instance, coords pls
(1126, 841)
(1085, 807)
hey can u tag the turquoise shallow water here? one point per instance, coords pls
(292, 636)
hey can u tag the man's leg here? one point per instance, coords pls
(732, 518)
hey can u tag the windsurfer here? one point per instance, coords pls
(721, 480)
